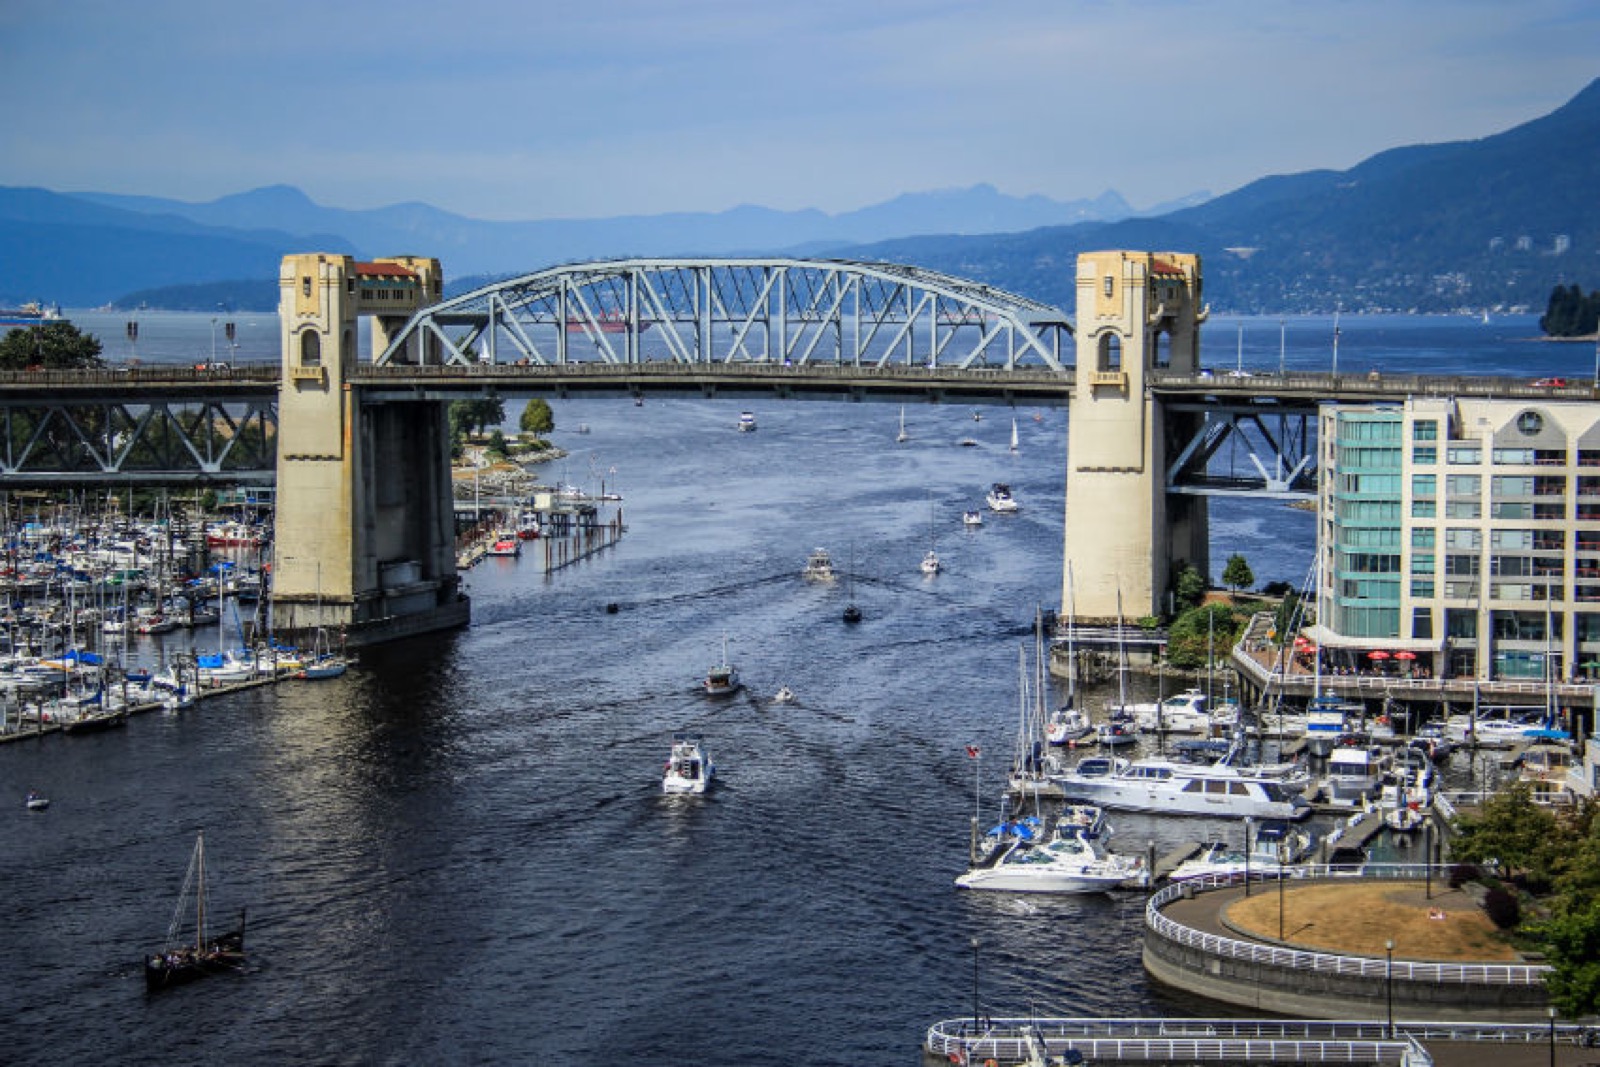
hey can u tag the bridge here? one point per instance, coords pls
(359, 446)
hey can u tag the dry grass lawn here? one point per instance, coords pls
(1357, 917)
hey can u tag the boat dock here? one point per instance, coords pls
(1165, 864)
(39, 728)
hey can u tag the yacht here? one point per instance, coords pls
(689, 767)
(1000, 499)
(1326, 718)
(1502, 728)
(1172, 788)
(1071, 861)
(1277, 846)
(1182, 713)
(819, 566)
(747, 421)
(1353, 775)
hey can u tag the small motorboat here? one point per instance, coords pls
(506, 543)
(972, 518)
(1115, 734)
(1000, 499)
(722, 679)
(819, 566)
(784, 695)
(689, 767)
(747, 421)
(930, 562)
(36, 801)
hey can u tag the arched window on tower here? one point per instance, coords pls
(1110, 352)
(1161, 349)
(310, 349)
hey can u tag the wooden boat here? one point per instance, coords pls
(180, 962)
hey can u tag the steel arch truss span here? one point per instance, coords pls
(1245, 450)
(152, 442)
(708, 311)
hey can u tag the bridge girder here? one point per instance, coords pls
(1278, 440)
(706, 311)
(157, 441)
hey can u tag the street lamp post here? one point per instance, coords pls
(1248, 822)
(1427, 857)
(974, 985)
(1552, 1010)
(1388, 983)
(1283, 859)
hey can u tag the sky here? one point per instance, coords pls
(533, 109)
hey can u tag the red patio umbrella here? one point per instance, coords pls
(1378, 654)
(1405, 655)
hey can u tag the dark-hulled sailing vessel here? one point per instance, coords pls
(180, 962)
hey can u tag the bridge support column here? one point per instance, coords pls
(365, 530)
(1136, 312)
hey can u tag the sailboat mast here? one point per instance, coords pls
(200, 894)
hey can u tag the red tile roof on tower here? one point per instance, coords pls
(384, 270)
(1161, 266)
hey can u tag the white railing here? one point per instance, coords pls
(1238, 1040)
(1494, 974)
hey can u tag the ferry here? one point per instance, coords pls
(606, 322)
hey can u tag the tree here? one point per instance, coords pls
(471, 417)
(1515, 835)
(1572, 946)
(1188, 586)
(537, 418)
(1237, 574)
(1202, 632)
(52, 346)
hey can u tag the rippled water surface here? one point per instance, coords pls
(458, 853)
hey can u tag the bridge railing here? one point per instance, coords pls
(1373, 384)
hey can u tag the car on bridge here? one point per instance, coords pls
(1551, 383)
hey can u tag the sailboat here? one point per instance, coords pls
(930, 559)
(181, 962)
(1067, 724)
(902, 437)
(324, 663)
(852, 614)
(1014, 443)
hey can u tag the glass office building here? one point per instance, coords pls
(1464, 533)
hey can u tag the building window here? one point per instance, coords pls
(305, 285)
(1422, 624)
(310, 349)
(1423, 537)
(1425, 430)
(1529, 423)
(1459, 564)
(1424, 485)
(1422, 588)
(1461, 622)
(1456, 537)
(1465, 455)
(1110, 352)
(1463, 485)
(1424, 455)
(1108, 284)
(1424, 509)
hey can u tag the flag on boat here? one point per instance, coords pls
(973, 750)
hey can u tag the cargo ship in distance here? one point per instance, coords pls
(31, 314)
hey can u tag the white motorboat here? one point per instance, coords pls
(1326, 722)
(722, 679)
(1277, 846)
(999, 498)
(1069, 862)
(1353, 774)
(1182, 713)
(747, 421)
(930, 562)
(1170, 788)
(784, 695)
(1502, 728)
(36, 801)
(1116, 733)
(689, 766)
(972, 518)
(819, 566)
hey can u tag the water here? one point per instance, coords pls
(458, 853)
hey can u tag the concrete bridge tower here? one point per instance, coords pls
(365, 524)
(1137, 312)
